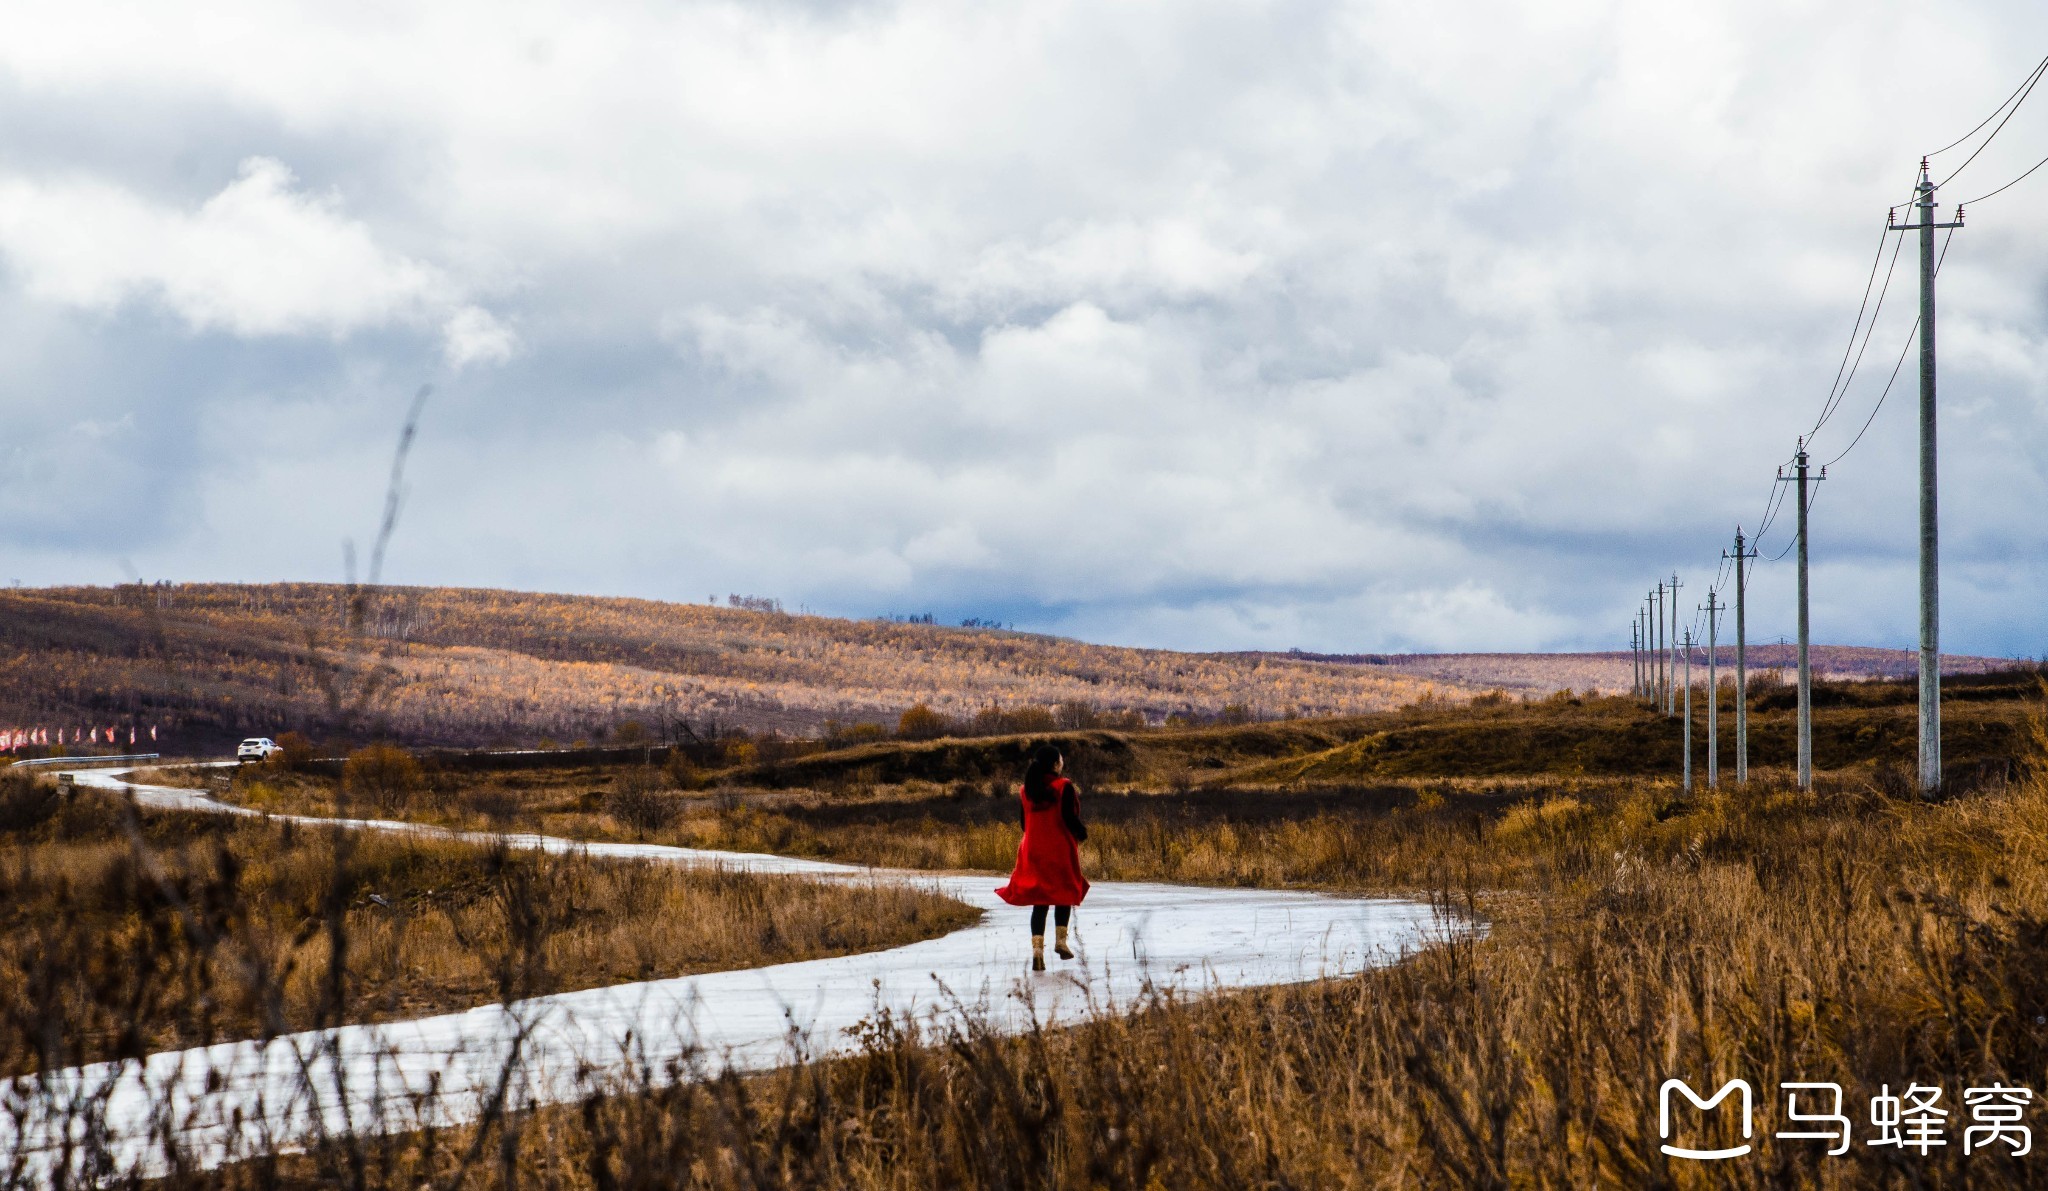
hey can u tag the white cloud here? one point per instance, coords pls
(472, 336)
(1335, 324)
(259, 258)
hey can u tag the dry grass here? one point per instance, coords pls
(1763, 933)
(1850, 934)
(122, 933)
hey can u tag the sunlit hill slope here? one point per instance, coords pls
(206, 662)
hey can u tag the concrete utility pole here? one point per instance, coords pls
(1649, 666)
(1930, 545)
(1671, 707)
(1741, 661)
(1635, 657)
(1802, 480)
(1657, 648)
(1713, 695)
(1688, 711)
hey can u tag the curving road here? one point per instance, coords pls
(234, 1099)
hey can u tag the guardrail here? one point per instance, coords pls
(80, 762)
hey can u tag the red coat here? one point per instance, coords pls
(1048, 871)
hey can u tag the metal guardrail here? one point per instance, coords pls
(80, 762)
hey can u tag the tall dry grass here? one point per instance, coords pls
(1764, 933)
(1847, 935)
(124, 932)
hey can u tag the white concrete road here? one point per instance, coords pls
(230, 1100)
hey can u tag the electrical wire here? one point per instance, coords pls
(1812, 495)
(1881, 396)
(1852, 352)
(1845, 372)
(2033, 81)
(1835, 396)
(1868, 282)
(1771, 509)
(1994, 114)
(1910, 335)
(2008, 186)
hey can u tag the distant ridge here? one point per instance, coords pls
(466, 667)
(1611, 671)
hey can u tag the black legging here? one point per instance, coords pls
(1061, 915)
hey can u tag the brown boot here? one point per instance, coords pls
(1059, 944)
(1038, 953)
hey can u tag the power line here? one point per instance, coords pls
(2008, 186)
(1864, 327)
(1771, 509)
(1895, 367)
(2032, 82)
(1842, 368)
(1835, 396)
(1812, 499)
(1845, 372)
(1994, 114)
(1887, 390)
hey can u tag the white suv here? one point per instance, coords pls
(257, 748)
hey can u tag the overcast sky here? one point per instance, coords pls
(1363, 326)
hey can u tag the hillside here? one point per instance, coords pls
(1541, 673)
(207, 662)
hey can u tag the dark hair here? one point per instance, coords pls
(1039, 774)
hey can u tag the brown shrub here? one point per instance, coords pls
(495, 803)
(384, 776)
(294, 750)
(922, 723)
(638, 802)
(682, 772)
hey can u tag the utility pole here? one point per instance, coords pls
(1713, 695)
(1741, 661)
(1672, 703)
(1657, 647)
(1930, 545)
(1649, 666)
(1802, 479)
(1688, 711)
(1643, 653)
(1635, 657)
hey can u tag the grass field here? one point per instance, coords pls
(1232, 805)
(124, 932)
(1854, 934)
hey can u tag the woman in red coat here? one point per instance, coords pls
(1048, 871)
